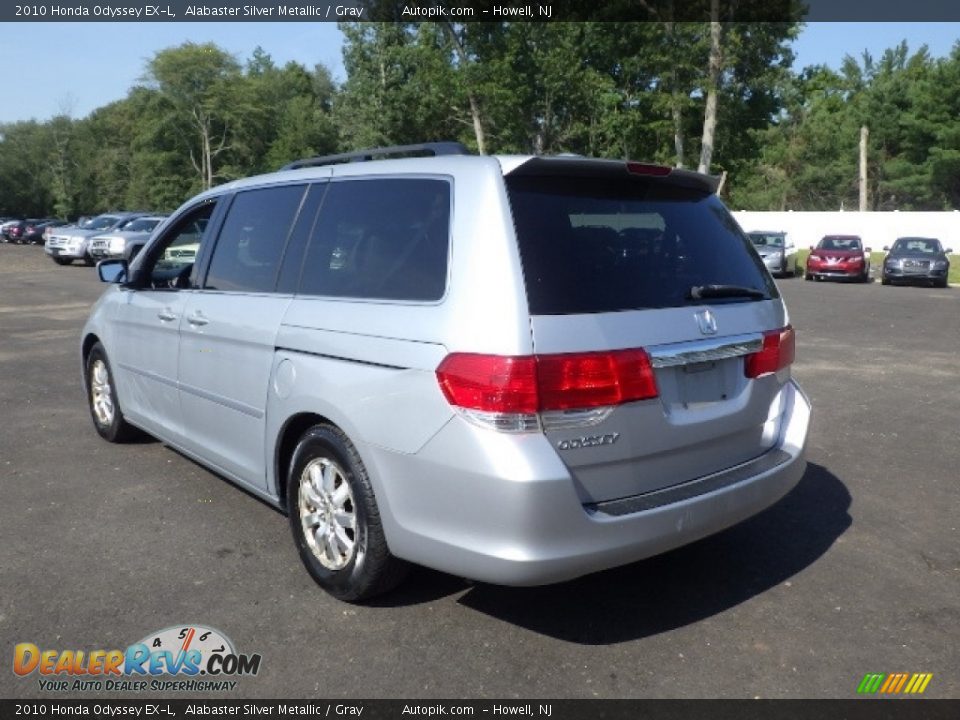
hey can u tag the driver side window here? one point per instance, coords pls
(170, 263)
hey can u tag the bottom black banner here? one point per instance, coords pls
(859, 709)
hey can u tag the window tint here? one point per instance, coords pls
(384, 239)
(170, 264)
(609, 245)
(250, 245)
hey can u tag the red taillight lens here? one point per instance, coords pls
(490, 383)
(779, 348)
(585, 380)
(530, 384)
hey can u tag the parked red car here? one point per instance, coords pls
(839, 257)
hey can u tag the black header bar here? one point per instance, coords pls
(460, 11)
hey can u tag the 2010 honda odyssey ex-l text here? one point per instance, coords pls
(518, 370)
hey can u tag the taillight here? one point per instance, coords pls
(779, 348)
(510, 391)
(489, 383)
(586, 380)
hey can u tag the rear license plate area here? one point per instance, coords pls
(703, 382)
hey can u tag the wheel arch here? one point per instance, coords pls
(290, 434)
(89, 340)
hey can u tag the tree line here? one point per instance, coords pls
(717, 96)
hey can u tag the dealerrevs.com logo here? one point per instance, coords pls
(188, 658)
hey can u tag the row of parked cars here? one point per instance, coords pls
(29, 231)
(843, 257)
(110, 235)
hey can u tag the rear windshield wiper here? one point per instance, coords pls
(701, 292)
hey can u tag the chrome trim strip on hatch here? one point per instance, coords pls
(687, 353)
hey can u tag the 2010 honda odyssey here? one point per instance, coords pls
(515, 369)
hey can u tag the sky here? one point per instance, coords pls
(51, 68)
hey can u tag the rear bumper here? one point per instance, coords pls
(503, 508)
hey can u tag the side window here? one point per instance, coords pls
(247, 254)
(170, 263)
(381, 239)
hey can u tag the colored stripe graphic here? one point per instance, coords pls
(870, 683)
(894, 683)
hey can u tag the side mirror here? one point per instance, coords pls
(886, 248)
(812, 247)
(112, 271)
(949, 251)
(868, 251)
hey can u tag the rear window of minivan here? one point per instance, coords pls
(605, 245)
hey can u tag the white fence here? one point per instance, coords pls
(876, 229)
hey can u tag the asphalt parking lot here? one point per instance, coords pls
(857, 570)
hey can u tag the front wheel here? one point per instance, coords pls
(102, 398)
(335, 520)
(62, 260)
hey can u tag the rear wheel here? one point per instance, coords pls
(102, 399)
(335, 520)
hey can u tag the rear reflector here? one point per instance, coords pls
(530, 384)
(779, 348)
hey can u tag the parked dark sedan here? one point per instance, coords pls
(916, 259)
(33, 230)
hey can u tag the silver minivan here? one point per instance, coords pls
(515, 369)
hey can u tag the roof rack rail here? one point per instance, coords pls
(434, 148)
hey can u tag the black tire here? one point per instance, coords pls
(940, 283)
(89, 261)
(365, 569)
(808, 277)
(111, 426)
(884, 280)
(62, 260)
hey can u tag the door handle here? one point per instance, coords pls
(166, 314)
(197, 319)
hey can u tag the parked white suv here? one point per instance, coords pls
(515, 369)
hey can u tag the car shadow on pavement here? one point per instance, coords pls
(686, 585)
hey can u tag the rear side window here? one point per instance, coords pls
(248, 250)
(604, 245)
(384, 239)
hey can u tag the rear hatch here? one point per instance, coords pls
(620, 256)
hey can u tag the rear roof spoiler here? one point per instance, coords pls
(611, 169)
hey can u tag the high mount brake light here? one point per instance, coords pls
(637, 168)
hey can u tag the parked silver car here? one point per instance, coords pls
(120, 243)
(72, 242)
(514, 369)
(777, 250)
